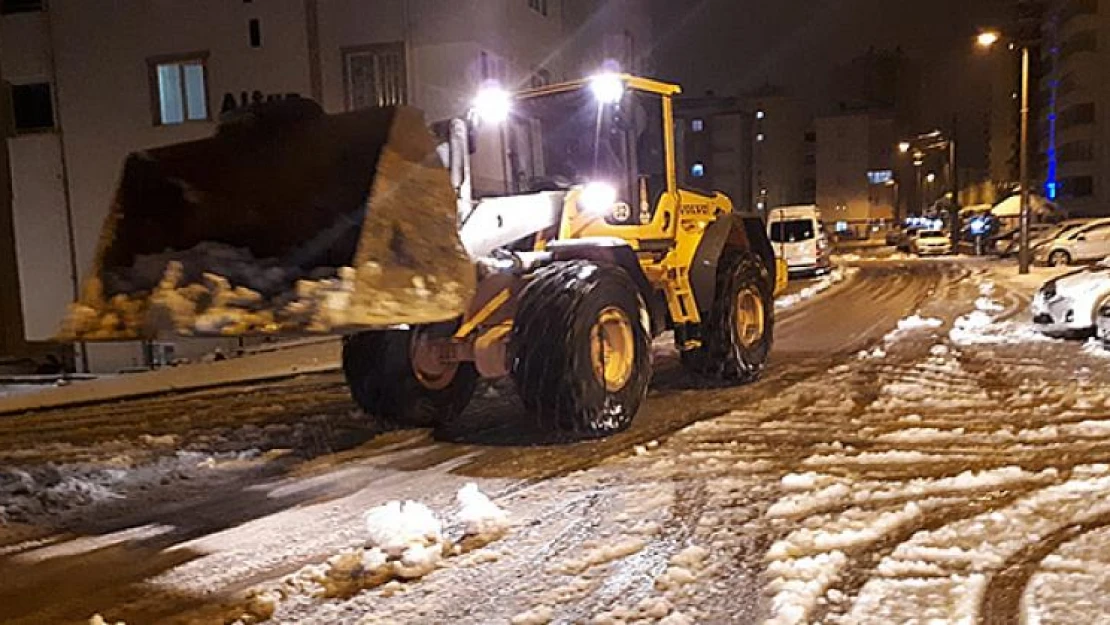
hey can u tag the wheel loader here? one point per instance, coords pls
(373, 226)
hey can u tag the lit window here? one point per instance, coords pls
(698, 170)
(760, 114)
(760, 137)
(697, 125)
(180, 91)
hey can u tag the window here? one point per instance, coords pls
(698, 125)
(1076, 115)
(811, 137)
(33, 107)
(179, 89)
(539, 6)
(20, 6)
(1079, 186)
(254, 32)
(375, 75)
(698, 170)
(792, 231)
(1076, 151)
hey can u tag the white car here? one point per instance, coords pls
(1102, 324)
(798, 238)
(927, 242)
(1088, 243)
(1069, 306)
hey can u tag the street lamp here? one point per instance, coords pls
(987, 40)
(937, 141)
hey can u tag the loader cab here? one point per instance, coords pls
(606, 140)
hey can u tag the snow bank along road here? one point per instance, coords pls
(914, 452)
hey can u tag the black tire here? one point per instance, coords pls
(552, 357)
(379, 371)
(1059, 258)
(723, 357)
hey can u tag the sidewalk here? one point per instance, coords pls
(280, 362)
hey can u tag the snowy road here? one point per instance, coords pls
(912, 453)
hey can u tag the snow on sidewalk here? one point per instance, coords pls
(316, 357)
(822, 284)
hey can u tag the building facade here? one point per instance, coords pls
(90, 82)
(714, 136)
(856, 185)
(1074, 126)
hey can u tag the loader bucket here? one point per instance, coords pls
(287, 221)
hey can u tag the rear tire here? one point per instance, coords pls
(581, 357)
(737, 336)
(1059, 258)
(383, 382)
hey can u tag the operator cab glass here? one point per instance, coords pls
(556, 141)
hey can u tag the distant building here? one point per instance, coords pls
(714, 138)
(1073, 129)
(856, 184)
(90, 82)
(781, 150)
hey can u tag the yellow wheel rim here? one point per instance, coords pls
(750, 317)
(612, 349)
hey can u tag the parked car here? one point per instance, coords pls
(1087, 243)
(798, 238)
(1060, 230)
(1008, 243)
(905, 239)
(1102, 325)
(931, 242)
(1069, 306)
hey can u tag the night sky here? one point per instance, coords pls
(734, 45)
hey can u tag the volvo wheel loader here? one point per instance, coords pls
(370, 225)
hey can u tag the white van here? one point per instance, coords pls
(798, 238)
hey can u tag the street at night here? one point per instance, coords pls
(953, 469)
(574, 312)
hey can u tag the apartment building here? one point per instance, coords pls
(856, 184)
(90, 82)
(1074, 127)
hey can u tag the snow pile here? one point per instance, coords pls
(405, 541)
(980, 328)
(597, 553)
(797, 584)
(877, 353)
(396, 526)
(685, 566)
(911, 324)
(1096, 348)
(650, 609)
(483, 521)
(540, 615)
(823, 284)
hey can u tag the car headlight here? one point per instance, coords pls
(597, 198)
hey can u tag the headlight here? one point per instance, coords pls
(598, 198)
(1049, 290)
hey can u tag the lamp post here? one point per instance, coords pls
(937, 141)
(987, 40)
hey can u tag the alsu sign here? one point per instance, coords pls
(230, 102)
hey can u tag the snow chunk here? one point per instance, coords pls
(602, 554)
(917, 322)
(677, 618)
(479, 515)
(396, 526)
(540, 615)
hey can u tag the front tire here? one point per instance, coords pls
(581, 357)
(386, 385)
(737, 336)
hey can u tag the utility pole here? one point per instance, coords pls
(1023, 257)
(954, 180)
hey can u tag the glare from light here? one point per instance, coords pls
(607, 88)
(931, 178)
(493, 105)
(987, 39)
(598, 197)
(904, 147)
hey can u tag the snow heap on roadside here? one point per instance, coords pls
(396, 526)
(481, 518)
(823, 284)
(913, 323)
(405, 541)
